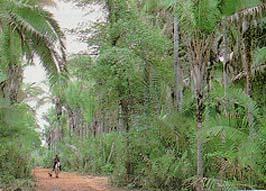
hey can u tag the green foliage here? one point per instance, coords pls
(118, 69)
(140, 140)
(17, 140)
(92, 155)
(30, 30)
(199, 17)
(77, 96)
(26, 31)
(229, 7)
(260, 57)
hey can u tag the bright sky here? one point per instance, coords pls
(69, 17)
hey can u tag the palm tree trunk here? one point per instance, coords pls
(198, 80)
(78, 122)
(226, 54)
(200, 54)
(13, 83)
(199, 120)
(177, 68)
(120, 121)
(125, 115)
(59, 113)
(71, 122)
(125, 112)
(226, 62)
(247, 62)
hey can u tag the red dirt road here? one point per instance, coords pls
(70, 182)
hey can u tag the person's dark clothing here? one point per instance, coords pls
(56, 160)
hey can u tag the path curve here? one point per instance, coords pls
(70, 182)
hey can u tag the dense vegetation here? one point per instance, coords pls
(26, 31)
(173, 98)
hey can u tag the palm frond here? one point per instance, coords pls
(247, 15)
(40, 34)
(259, 61)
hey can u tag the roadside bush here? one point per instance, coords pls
(161, 156)
(17, 141)
(91, 155)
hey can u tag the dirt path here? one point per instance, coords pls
(70, 182)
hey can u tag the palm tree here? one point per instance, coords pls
(199, 30)
(27, 31)
(244, 20)
(170, 6)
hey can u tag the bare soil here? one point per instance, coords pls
(70, 182)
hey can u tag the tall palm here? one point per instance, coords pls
(171, 7)
(199, 29)
(244, 21)
(27, 31)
